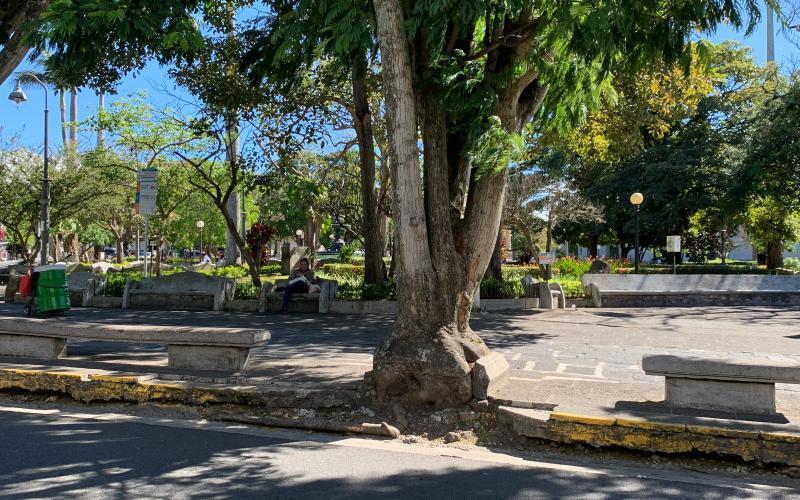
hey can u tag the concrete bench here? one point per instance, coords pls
(184, 291)
(83, 286)
(721, 384)
(551, 296)
(659, 290)
(319, 302)
(218, 349)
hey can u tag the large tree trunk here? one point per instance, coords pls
(593, 244)
(427, 357)
(374, 267)
(774, 254)
(495, 270)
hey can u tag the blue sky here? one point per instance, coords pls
(26, 120)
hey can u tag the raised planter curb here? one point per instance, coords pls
(639, 434)
(90, 387)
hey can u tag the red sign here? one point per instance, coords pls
(2, 233)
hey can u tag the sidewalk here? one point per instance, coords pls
(584, 363)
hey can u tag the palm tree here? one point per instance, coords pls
(73, 117)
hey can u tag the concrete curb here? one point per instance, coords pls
(326, 410)
(650, 436)
(145, 388)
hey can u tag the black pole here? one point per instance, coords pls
(45, 197)
(636, 248)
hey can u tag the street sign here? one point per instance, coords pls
(546, 258)
(674, 244)
(146, 191)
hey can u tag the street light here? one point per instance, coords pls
(636, 200)
(18, 97)
(200, 226)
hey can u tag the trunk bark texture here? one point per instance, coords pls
(441, 219)
(774, 254)
(495, 270)
(374, 267)
(593, 244)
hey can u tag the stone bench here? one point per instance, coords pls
(83, 286)
(194, 348)
(721, 384)
(659, 290)
(184, 291)
(551, 296)
(272, 301)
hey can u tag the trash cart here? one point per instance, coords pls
(49, 292)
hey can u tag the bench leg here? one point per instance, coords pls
(205, 357)
(32, 346)
(746, 397)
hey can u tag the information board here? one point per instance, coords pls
(146, 191)
(673, 244)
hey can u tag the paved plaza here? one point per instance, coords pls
(568, 358)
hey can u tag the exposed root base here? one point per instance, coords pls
(427, 365)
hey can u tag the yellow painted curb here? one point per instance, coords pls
(582, 419)
(44, 373)
(650, 426)
(118, 379)
(719, 431)
(781, 437)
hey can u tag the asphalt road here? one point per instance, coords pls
(54, 452)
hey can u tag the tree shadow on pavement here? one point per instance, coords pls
(660, 411)
(57, 459)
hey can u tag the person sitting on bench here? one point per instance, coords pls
(299, 282)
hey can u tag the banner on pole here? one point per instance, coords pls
(146, 191)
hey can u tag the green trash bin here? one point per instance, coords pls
(52, 294)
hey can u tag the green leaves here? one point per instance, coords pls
(495, 149)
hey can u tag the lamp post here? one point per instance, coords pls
(636, 200)
(200, 226)
(18, 97)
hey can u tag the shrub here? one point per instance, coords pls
(378, 292)
(334, 271)
(115, 286)
(272, 269)
(573, 289)
(570, 266)
(247, 290)
(791, 263)
(515, 273)
(347, 252)
(230, 272)
(501, 289)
